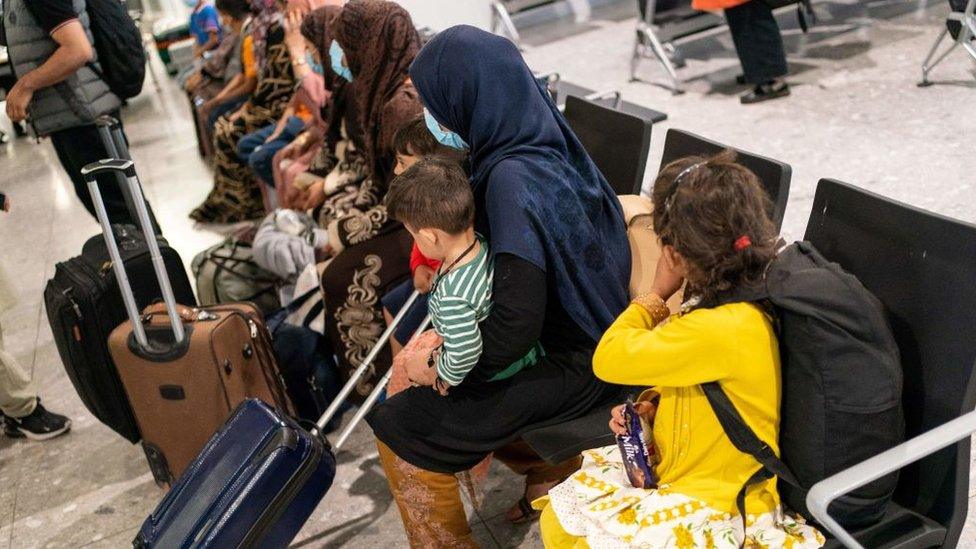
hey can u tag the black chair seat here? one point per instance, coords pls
(900, 527)
(560, 442)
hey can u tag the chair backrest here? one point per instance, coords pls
(922, 267)
(617, 142)
(774, 175)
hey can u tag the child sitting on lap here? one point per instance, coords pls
(433, 200)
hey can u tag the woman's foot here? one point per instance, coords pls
(772, 89)
(522, 511)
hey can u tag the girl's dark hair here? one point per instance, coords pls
(238, 9)
(704, 207)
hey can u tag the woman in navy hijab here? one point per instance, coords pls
(562, 262)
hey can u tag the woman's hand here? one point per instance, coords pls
(294, 40)
(193, 82)
(667, 280)
(315, 196)
(238, 113)
(617, 424)
(418, 371)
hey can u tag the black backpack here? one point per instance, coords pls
(842, 384)
(118, 42)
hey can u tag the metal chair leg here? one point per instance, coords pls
(927, 66)
(662, 56)
(501, 16)
(635, 57)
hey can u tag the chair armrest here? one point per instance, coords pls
(827, 490)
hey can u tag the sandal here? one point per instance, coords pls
(528, 513)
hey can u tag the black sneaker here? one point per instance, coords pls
(773, 89)
(39, 425)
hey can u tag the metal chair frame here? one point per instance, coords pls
(967, 33)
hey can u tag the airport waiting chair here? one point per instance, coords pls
(960, 26)
(774, 175)
(621, 154)
(562, 441)
(922, 268)
(659, 24)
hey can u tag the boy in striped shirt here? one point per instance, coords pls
(433, 200)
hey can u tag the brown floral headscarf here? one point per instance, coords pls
(380, 41)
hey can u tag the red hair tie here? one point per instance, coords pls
(742, 243)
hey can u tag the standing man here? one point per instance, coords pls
(21, 413)
(58, 91)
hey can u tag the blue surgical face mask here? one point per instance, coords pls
(190, 3)
(444, 137)
(313, 64)
(335, 56)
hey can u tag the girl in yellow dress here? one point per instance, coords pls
(710, 215)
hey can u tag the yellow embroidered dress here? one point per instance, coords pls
(700, 470)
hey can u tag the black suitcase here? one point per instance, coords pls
(84, 305)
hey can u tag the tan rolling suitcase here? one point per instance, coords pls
(184, 369)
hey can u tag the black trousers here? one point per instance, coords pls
(77, 147)
(757, 41)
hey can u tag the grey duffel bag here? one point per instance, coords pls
(227, 273)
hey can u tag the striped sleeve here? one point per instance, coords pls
(455, 320)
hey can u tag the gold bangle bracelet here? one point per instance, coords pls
(655, 305)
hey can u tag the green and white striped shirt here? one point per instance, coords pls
(460, 300)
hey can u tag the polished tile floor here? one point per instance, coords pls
(855, 115)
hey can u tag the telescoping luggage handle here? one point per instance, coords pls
(111, 132)
(333, 408)
(128, 170)
(377, 391)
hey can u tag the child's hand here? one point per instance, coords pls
(423, 279)
(667, 281)
(617, 424)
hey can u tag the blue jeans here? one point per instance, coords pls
(221, 109)
(253, 150)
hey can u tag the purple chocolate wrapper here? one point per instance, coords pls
(634, 450)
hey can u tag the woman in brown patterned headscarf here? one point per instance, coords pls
(372, 251)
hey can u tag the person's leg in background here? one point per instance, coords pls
(430, 503)
(226, 107)
(20, 407)
(78, 147)
(250, 142)
(759, 45)
(539, 476)
(261, 157)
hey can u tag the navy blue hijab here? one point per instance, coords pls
(539, 196)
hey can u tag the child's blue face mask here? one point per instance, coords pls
(190, 3)
(313, 64)
(444, 137)
(335, 55)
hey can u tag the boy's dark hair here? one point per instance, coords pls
(238, 9)
(434, 193)
(414, 139)
(704, 207)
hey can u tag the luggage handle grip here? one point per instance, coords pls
(127, 168)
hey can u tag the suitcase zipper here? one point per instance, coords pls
(284, 499)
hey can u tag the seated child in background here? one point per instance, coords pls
(411, 143)
(433, 200)
(204, 26)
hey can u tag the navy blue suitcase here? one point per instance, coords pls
(254, 484)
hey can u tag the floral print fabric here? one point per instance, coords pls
(599, 504)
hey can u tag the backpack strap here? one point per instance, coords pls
(746, 441)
